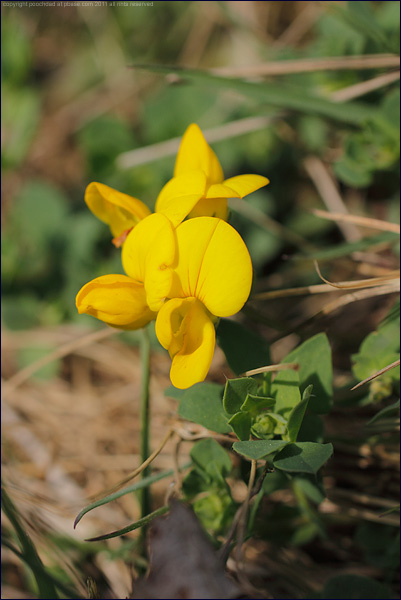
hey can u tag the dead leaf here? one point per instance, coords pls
(183, 563)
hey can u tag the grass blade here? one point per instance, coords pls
(46, 587)
(131, 488)
(132, 527)
(282, 96)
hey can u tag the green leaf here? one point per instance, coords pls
(281, 96)
(258, 449)
(309, 488)
(388, 411)
(379, 349)
(303, 457)
(355, 587)
(256, 404)
(315, 367)
(211, 458)
(268, 424)
(285, 390)
(173, 392)
(244, 349)
(312, 429)
(236, 391)
(296, 416)
(241, 425)
(132, 527)
(202, 404)
(139, 485)
(305, 533)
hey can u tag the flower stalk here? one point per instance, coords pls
(145, 417)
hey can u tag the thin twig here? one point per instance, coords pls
(321, 288)
(244, 512)
(360, 283)
(153, 152)
(358, 220)
(384, 370)
(364, 87)
(328, 191)
(270, 368)
(308, 65)
(354, 297)
(298, 27)
(225, 549)
(324, 288)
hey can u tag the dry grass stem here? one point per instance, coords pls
(365, 499)
(361, 283)
(205, 433)
(325, 288)
(328, 191)
(358, 220)
(384, 370)
(309, 65)
(300, 26)
(355, 296)
(365, 87)
(270, 368)
(322, 288)
(153, 152)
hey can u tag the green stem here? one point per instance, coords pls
(145, 417)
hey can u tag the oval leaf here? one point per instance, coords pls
(258, 449)
(303, 457)
(202, 404)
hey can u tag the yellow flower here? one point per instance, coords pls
(212, 278)
(119, 211)
(131, 301)
(198, 187)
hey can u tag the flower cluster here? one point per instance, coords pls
(185, 265)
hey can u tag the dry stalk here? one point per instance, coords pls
(271, 368)
(358, 220)
(310, 65)
(384, 370)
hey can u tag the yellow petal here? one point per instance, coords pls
(213, 265)
(242, 185)
(114, 208)
(147, 255)
(210, 207)
(220, 190)
(117, 300)
(185, 329)
(195, 154)
(180, 194)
